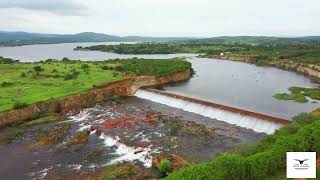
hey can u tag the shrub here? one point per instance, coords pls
(84, 66)
(164, 166)
(65, 59)
(105, 68)
(23, 74)
(6, 84)
(19, 105)
(38, 68)
(69, 77)
(174, 128)
(119, 68)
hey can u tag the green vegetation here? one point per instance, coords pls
(174, 127)
(43, 120)
(22, 84)
(164, 166)
(119, 171)
(141, 48)
(263, 160)
(51, 135)
(46, 80)
(13, 136)
(159, 68)
(299, 94)
(308, 51)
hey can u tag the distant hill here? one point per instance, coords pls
(24, 38)
(256, 40)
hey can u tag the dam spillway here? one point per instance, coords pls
(243, 118)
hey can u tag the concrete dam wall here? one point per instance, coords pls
(243, 118)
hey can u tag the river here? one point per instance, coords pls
(230, 83)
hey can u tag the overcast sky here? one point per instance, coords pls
(163, 17)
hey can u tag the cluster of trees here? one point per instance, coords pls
(4, 60)
(141, 48)
(262, 160)
(155, 67)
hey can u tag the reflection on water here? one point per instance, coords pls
(245, 86)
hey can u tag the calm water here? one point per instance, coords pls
(32, 53)
(245, 86)
(231, 83)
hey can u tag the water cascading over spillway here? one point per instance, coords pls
(251, 120)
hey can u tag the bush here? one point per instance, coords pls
(23, 74)
(105, 68)
(65, 59)
(174, 128)
(84, 66)
(164, 166)
(6, 84)
(19, 105)
(119, 68)
(38, 68)
(69, 77)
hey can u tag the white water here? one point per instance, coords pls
(253, 123)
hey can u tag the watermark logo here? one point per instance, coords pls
(301, 164)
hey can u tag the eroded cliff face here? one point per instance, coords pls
(56, 106)
(311, 70)
(125, 87)
(242, 58)
(175, 78)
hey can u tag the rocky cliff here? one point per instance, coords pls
(311, 70)
(242, 58)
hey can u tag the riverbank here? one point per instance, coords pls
(125, 87)
(310, 70)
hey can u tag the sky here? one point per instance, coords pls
(193, 18)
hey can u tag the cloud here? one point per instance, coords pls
(163, 17)
(58, 7)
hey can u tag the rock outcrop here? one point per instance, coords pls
(242, 58)
(311, 70)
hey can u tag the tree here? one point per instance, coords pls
(65, 59)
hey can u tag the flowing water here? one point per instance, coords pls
(249, 122)
(133, 130)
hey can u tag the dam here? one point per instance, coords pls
(239, 117)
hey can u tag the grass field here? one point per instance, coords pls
(22, 84)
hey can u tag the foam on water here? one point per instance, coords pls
(249, 122)
(127, 153)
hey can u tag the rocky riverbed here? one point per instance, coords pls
(126, 138)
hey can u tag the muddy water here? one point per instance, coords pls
(130, 130)
(245, 86)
